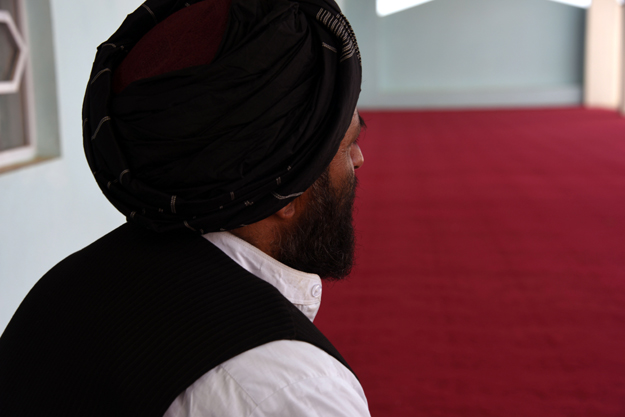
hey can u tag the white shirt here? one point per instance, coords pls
(281, 378)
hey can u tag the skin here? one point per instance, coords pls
(349, 158)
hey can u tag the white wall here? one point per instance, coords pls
(50, 210)
(460, 53)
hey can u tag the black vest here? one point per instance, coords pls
(125, 325)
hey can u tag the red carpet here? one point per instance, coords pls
(491, 265)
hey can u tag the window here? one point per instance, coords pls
(577, 3)
(17, 136)
(387, 7)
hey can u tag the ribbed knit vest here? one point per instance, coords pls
(125, 325)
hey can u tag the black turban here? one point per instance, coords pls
(221, 145)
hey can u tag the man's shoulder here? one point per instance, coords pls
(132, 241)
(295, 376)
(131, 250)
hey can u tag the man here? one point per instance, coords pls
(226, 132)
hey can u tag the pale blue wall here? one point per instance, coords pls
(445, 53)
(470, 53)
(50, 210)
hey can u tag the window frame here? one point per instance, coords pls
(21, 82)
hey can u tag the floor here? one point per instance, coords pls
(490, 277)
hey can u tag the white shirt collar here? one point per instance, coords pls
(300, 288)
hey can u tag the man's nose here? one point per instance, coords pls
(357, 158)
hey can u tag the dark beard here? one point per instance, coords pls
(322, 241)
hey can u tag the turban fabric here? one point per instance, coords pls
(227, 139)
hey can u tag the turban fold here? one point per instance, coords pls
(231, 136)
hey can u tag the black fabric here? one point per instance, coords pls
(125, 325)
(218, 146)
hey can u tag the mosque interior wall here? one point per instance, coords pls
(443, 53)
(478, 53)
(52, 209)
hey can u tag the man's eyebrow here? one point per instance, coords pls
(363, 125)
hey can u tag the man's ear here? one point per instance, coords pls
(287, 212)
